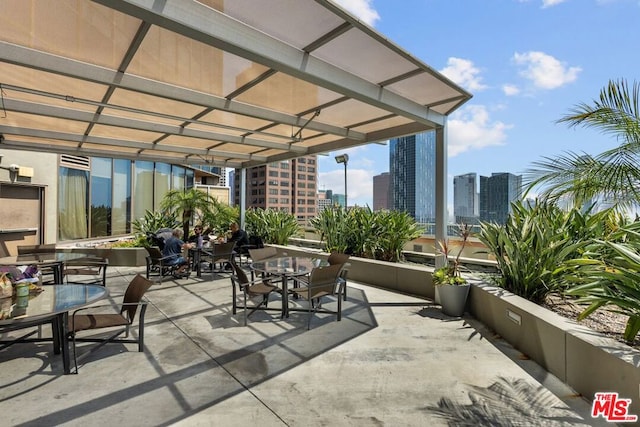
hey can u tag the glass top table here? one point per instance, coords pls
(52, 305)
(54, 259)
(288, 267)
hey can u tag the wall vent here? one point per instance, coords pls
(76, 162)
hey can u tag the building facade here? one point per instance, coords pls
(381, 194)
(412, 161)
(496, 194)
(465, 198)
(289, 186)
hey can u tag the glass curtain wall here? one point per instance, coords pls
(104, 200)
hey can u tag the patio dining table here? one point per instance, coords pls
(55, 260)
(288, 267)
(52, 305)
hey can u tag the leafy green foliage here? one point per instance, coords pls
(450, 274)
(614, 173)
(531, 247)
(273, 226)
(153, 221)
(608, 276)
(188, 203)
(364, 233)
(218, 216)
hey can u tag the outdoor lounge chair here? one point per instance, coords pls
(249, 288)
(161, 265)
(340, 258)
(83, 320)
(322, 282)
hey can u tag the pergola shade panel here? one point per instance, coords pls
(229, 83)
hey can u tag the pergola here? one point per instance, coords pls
(234, 83)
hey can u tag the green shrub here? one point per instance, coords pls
(273, 226)
(535, 241)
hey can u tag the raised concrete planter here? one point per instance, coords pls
(120, 257)
(586, 360)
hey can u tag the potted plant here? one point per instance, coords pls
(451, 287)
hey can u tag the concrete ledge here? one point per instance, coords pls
(586, 360)
(405, 278)
(120, 257)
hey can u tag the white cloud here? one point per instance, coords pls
(470, 128)
(545, 71)
(510, 90)
(362, 9)
(359, 184)
(464, 73)
(550, 3)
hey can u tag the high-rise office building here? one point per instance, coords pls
(465, 198)
(289, 186)
(412, 161)
(381, 194)
(496, 194)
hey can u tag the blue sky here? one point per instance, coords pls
(526, 62)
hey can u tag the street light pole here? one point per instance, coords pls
(344, 158)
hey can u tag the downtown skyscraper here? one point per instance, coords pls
(496, 194)
(465, 198)
(412, 161)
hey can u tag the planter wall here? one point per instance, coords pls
(587, 361)
(582, 358)
(405, 278)
(118, 257)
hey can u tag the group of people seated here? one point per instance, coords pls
(174, 246)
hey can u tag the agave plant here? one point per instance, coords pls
(153, 221)
(332, 225)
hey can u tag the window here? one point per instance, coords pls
(274, 165)
(142, 188)
(311, 177)
(273, 182)
(100, 197)
(254, 174)
(274, 173)
(273, 191)
(284, 201)
(273, 200)
(284, 183)
(301, 176)
(178, 175)
(121, 209)
(301, 185)
(302, 160)
(302, 168)
(301, 193)
(284, 165)
(284, 174)
(284, 192)
(311, 210)
(162, 183)
(301, 201)
(311, 185)
(311, 161)
(301, 209)
(311, 169)
(73, 189)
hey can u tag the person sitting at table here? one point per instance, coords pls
(173, 247)
(240, 237)
(197, 238)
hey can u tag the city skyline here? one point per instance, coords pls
(527, 64)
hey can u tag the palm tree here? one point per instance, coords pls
(187, 203)
(613, 174)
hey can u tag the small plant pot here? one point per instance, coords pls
(453, 299)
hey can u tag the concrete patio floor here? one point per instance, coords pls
(394, 360)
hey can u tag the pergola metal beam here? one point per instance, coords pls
(105, 119)
(93, 152)
(198, 22)
(30, 58)
(145, 146)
